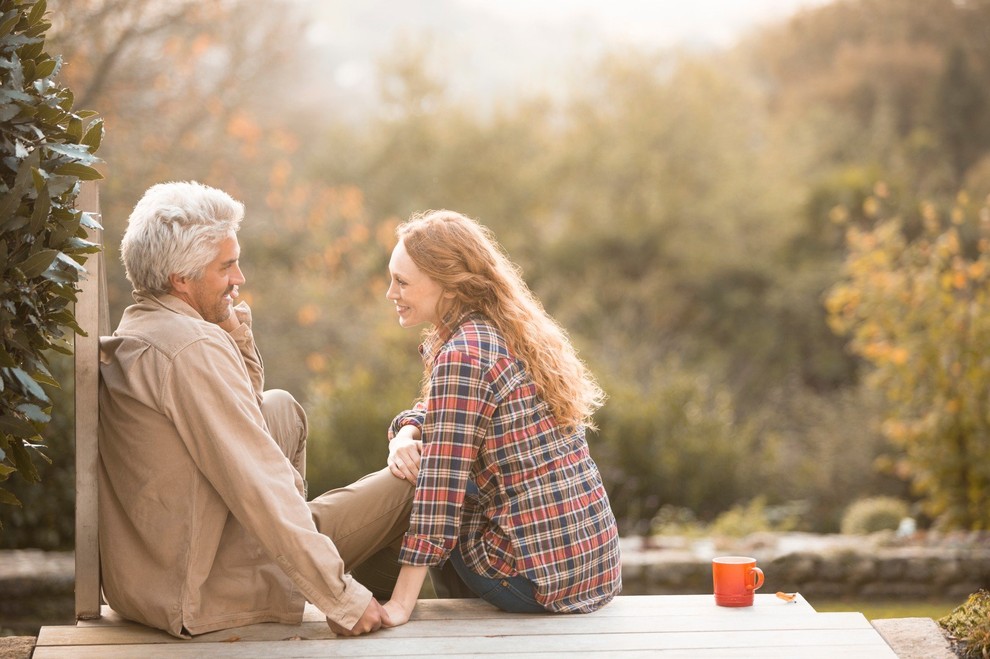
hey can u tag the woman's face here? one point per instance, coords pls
(416, 296)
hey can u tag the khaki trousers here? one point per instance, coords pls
(365, 520)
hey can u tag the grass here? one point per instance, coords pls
(878, 609)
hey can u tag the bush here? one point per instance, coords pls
(756, 516)
(874, 514)
(968, 626)
(45, 151)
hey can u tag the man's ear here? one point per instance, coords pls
(178, 283)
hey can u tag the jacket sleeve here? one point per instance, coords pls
(244, 338)
(210, 397)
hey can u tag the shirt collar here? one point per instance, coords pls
(437, 338)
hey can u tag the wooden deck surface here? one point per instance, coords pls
(633, 626)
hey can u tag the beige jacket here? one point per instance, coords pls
(202, 525)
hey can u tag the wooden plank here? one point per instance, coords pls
(88, 315)
(671, 605)
(534, 625)
(629, 605)
(850, 643)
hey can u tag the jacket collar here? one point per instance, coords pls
(166, 301)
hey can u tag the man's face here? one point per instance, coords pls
(213, 294)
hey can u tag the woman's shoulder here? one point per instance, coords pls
(477, 336)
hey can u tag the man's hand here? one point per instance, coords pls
(370, 621)
(235, 316)
(404, 453)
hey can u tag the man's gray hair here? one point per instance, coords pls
(176, 228)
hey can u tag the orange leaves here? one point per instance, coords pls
(316, 362)
(307, 315)
(917, 308)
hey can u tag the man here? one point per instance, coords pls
(204, 523)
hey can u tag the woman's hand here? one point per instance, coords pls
(404, 453)
(404, 596)
(395, 614)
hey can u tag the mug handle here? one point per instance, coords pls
(757, 574)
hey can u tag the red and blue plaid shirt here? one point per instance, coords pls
(540, 510)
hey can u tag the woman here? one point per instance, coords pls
(505, 486)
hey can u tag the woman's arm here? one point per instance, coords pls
(404, 597)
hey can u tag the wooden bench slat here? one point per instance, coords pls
(629, 605)
(556, 625)
(389, 643)
(532, 626)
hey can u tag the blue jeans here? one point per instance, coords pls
(512, 594)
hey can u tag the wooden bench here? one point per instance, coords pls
(645, 625)
(675, 625)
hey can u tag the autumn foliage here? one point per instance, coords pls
(917, 308)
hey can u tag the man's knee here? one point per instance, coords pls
(284, 414)
(287, 423)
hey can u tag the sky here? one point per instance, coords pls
(487, 51)
(653, 22)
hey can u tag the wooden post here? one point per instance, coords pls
(91, 314)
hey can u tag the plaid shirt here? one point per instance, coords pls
(540, 510)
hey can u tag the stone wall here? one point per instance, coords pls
(36, 588)
(825, 568)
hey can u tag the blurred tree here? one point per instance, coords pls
(675, 442)
(676, 208)
(917, 311)
(182, 86)
(961, 108)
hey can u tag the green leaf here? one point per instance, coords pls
(29, 385)
(78, 152)
(82, 172)
(8, 21)
(4, 469)
(80, 246)
(75, 130)
(8, 498)
(22, 460)
(65, 260)
(33, 413)
(42, 207)
(36, 264)
(94, 136)
(45, 69)
(16, 427)
(37, 31)
(89, 221)
(37, 12)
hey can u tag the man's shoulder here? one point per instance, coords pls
(164, 330)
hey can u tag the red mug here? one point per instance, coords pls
(735, 578)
